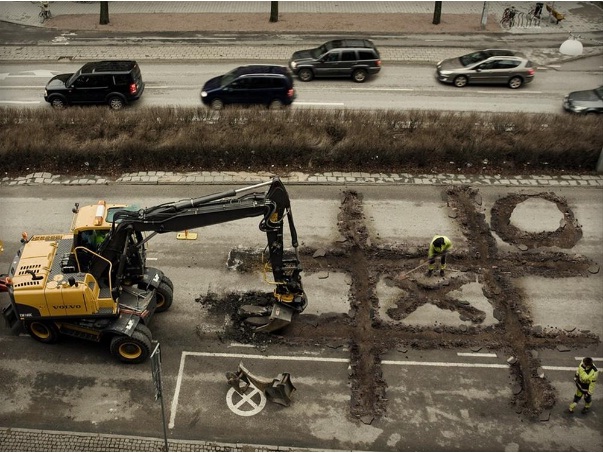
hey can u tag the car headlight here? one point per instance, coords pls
(203, 94)
(293, 64)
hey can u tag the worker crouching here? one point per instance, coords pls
(439, 247)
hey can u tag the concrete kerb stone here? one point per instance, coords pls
(21, 439)
(213, 178)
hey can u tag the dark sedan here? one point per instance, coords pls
(585, 102)
(490, 66)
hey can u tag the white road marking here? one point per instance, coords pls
(319, 103)
(382, 89)
(507, 92)
(246, 400)
(20, 102)
(445, 364)
(476, 354)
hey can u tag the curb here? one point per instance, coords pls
(327, 178)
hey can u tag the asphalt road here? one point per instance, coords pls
(453, 398)
(398, 86)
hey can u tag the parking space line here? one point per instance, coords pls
(445, 364)
(476, 354)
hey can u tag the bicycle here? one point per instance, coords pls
(44, 12)
(508, 17)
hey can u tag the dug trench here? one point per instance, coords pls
(368, 336)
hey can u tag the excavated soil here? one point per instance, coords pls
(368, 337)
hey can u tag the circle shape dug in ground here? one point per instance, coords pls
(565, 236)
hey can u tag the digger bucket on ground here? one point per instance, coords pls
(281, 390)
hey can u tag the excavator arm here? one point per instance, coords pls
(124, 246)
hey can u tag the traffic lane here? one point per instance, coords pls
(74, 385)
(180, 84)
(436, 399)
(459, 400)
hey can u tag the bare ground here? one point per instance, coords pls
(293, 23)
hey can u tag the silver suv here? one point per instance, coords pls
(490, 66)
(355, 58)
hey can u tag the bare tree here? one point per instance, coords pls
(104, 13)
(273, 11)
(437, 13)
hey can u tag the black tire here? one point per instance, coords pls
(134, 349)
(359, 75)
(44, 332)
(275, 105)
(460, 81)
(168, 281)
(58, 103)
(165, 297)
(515, 82)
(116, 103)
(217, 104)
(305, 75)
(144, 330)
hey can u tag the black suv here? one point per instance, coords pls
(268, 85)
(355, 58)
(115, 83)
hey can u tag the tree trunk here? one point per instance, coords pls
(437, 13)
(273, 11)
(104, 13)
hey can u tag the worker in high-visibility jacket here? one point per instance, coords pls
(438, 247)
(585, 379)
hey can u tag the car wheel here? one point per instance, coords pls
(460, 81)
(359, 75)
(58, 103)
(275, 105)
(217, 104)
(134, 349)
(515, 82)
(116, 103)
(305, 75)
(44, 332)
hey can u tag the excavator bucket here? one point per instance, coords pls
(280, 317)
(277, 390)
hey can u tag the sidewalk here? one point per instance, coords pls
(170, 31)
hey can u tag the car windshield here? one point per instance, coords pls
(474, 57)
(228, 77)
(316, 53)
(73, 78)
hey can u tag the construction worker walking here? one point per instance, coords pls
(585, 379)
(439, 247)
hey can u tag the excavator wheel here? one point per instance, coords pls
(167, 280)
(134, 349)
(44, 332)
(165, 296)
(145, 330)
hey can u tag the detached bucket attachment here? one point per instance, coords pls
(277, 390)
(281, 390)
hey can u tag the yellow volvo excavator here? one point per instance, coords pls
(94, 281)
